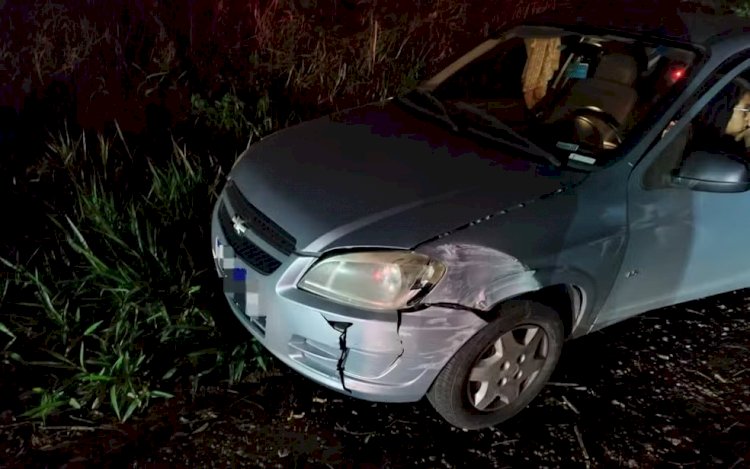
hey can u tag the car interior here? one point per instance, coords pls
(625, 80)
(603, 103)
(580, 93)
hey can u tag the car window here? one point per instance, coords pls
(576, 96)
(722, 126)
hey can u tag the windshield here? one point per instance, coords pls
(562, 97)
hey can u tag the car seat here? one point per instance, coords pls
(610, 90)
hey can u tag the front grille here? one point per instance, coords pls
(248, 251)
(262, 226)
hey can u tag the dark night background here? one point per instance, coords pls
(119, 121)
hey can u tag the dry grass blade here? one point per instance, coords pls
(579, 437)
(570, 405)
(122, 139)
(563, 385)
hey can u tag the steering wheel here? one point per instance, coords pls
(586, 113)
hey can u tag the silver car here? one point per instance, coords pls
(560, 177)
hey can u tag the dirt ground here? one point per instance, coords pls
(668, 389)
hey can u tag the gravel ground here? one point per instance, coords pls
(668, 389)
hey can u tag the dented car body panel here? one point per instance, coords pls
(573, 237)
(379, 177)
(387, 357)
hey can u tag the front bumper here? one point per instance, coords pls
(365, 354)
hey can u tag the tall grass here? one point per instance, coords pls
(119, 57)
(741, 8)
(117, 309)
(230, 114)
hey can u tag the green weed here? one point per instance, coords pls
(9, 336)
(117, 303)
(226, 114)
(741, 8)
(49, 403)
(230, 114)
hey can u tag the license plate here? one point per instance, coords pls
(240, 283)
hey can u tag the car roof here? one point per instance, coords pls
(664, 19)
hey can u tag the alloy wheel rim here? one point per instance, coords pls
(507, 367)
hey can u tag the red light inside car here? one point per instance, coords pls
(677, 74)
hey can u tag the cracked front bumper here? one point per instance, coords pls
(384, 361)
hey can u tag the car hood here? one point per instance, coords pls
(382, 176)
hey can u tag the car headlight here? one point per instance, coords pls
(379, 280)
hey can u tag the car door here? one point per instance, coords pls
(683, 243)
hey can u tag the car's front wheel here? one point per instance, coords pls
(501, 369)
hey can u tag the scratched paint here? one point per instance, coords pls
(478, 277)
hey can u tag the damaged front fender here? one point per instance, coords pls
(478, 277)
(431, 336)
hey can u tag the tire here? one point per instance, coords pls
(452, 392)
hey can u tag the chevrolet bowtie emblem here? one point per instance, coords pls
(239, 225)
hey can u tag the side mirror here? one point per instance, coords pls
(713, 172)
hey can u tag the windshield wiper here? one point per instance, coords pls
(438, 108)
(507, 134)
